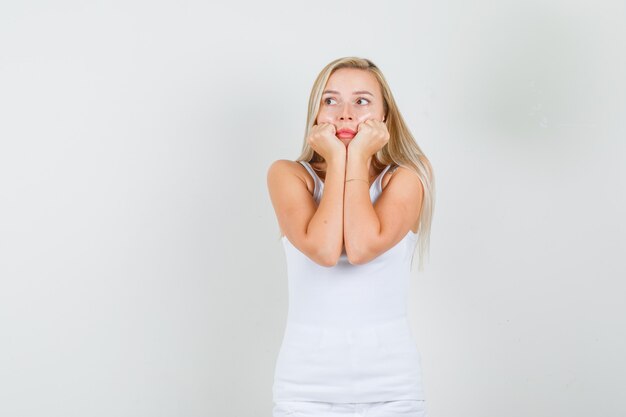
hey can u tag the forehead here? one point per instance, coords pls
(346, 80)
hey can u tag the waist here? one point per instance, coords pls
(378, 334)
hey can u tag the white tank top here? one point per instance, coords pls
(347, 337)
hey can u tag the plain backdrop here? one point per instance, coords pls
(141, 272)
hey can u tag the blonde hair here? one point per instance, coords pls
(400, 150)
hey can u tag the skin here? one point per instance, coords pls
(345, 219)
(363, 113)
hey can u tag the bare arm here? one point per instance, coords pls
(317, 231)
(372, 229)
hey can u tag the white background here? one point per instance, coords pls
(140, 268)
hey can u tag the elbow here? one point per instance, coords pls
(357, 258)
(329, 263)
(328, 259)
(356, 261)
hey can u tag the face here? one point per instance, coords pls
(351, 97)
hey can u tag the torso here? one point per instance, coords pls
(320, 170)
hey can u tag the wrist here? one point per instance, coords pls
(358, 156)
(355, 153)
(338, 161)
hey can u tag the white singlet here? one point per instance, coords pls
(347, 337)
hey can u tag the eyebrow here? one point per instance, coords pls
(356, 92)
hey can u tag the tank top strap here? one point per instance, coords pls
(379, 179)
(309, 168)
(316, 179)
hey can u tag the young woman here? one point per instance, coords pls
(352, 209)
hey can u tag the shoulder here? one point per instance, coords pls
(284, 166)
(284, 170)
(401, 174)
(402, 187)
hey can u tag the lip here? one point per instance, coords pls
(345, 133)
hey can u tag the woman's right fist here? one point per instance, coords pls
(323, 141)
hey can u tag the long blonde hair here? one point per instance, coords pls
(400, 150)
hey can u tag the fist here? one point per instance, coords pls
(323, 140)
(371, 136)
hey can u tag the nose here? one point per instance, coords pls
(346, 113)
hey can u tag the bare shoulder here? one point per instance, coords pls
(282, 167)
(292, 201)
(404, 172)
(405, 182)
(283, 171)
(282, 164)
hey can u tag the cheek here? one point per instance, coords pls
(324, 116)
(369, 114)
(364, 115)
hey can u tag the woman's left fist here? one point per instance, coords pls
(371, 136)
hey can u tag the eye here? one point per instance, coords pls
(326, 100)
(361, 98)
